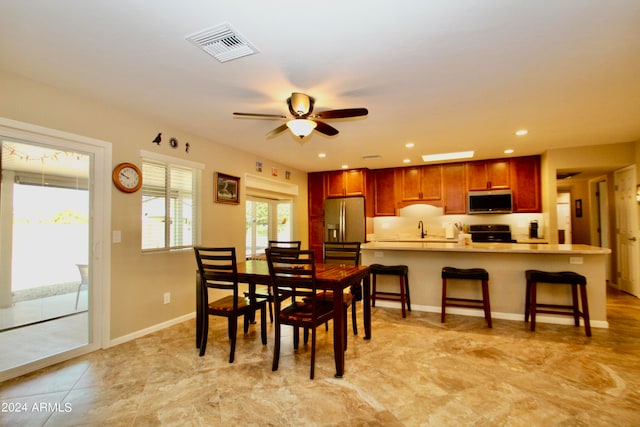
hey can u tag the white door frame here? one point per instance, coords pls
(100, 232)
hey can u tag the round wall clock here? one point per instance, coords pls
(127, 177)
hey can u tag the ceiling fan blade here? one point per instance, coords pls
(339, 114)
(266, 116)
(325, 128)
(277, 130)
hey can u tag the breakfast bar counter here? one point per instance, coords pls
(506, 264)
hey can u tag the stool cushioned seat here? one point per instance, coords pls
(402, 271)
(469, 273)
(466, 274)
(569, 278)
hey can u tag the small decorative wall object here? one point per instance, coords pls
(274, 171)
(187, 146)
(579, 208)
(173, 142)
(157, 139)
(258, 166)
(227, 188)
(287, 174)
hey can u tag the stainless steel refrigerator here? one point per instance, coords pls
(344, 220)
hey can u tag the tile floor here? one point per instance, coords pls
(414, 372)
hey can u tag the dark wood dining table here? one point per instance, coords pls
(331, 277)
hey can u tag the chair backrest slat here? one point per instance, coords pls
(218, 268)
(293, 273)
(341, 253)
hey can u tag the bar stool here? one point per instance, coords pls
(402, 271)
(575, 280)
(466, 274)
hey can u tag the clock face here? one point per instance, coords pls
(127, 178)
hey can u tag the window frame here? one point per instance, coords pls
(171, 194)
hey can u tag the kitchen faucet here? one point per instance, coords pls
(423, 233)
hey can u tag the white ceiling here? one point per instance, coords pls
(446, 75)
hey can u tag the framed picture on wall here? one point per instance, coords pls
(227, 188)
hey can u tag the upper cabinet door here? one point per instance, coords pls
(525, 178)
(422, 183)
(315, 193)
(345, 183)
(455, 192)
(384, 195)
(488, 175)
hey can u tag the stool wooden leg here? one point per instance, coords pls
(576, 306)
(444, 299)
(534, 286)
(527, 301)
(402, 297)
(585, 310)
(485, 302)
(406, 284)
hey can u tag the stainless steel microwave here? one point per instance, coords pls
(490, 202)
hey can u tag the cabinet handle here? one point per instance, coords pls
(633, 239)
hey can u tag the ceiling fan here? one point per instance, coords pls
(303, 120)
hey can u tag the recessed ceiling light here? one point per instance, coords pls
(409, 145)
(447, 156)
(522, 132)
(406, 161)
(508, 151)
(345, 166)
(322, 155)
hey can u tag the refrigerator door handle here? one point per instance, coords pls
(343, 220)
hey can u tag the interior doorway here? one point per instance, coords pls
(627, 230)
(563, 206)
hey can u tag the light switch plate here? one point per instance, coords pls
(116, 236)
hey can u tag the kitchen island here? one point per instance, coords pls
(506, 264)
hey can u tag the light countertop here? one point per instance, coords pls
(519, 248)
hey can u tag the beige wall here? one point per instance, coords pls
(138, 281)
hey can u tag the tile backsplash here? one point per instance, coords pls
(405, 226)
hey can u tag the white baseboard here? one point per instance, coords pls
(151, 329)
(564, 320)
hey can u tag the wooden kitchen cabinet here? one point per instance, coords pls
(316, 193)
(525, 184)
(421, 183)
(488, 174)
(454, 177)
(345, 183)
(384, 192)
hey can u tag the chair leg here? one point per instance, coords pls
(263, 325)
(444, 300)
(585, 310)
(205, 333)
(78, 295)
(354, 318)
(373, 291)
(486, 303)
(313, 352)
(276, 348)
(296, 337)
(233, 329)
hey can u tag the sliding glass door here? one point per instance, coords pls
(266, 219)
(47, 299)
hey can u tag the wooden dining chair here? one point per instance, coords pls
(296, 301)
(344, 253)
(280, 244)
(218, 270)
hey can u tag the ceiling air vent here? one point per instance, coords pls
(370, 156)
(222, 42)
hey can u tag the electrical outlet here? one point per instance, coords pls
(167, 297)
(576, 260)
(378, 254)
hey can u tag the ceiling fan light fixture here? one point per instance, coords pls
(301, 127)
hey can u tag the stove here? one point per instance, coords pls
(494, 233)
